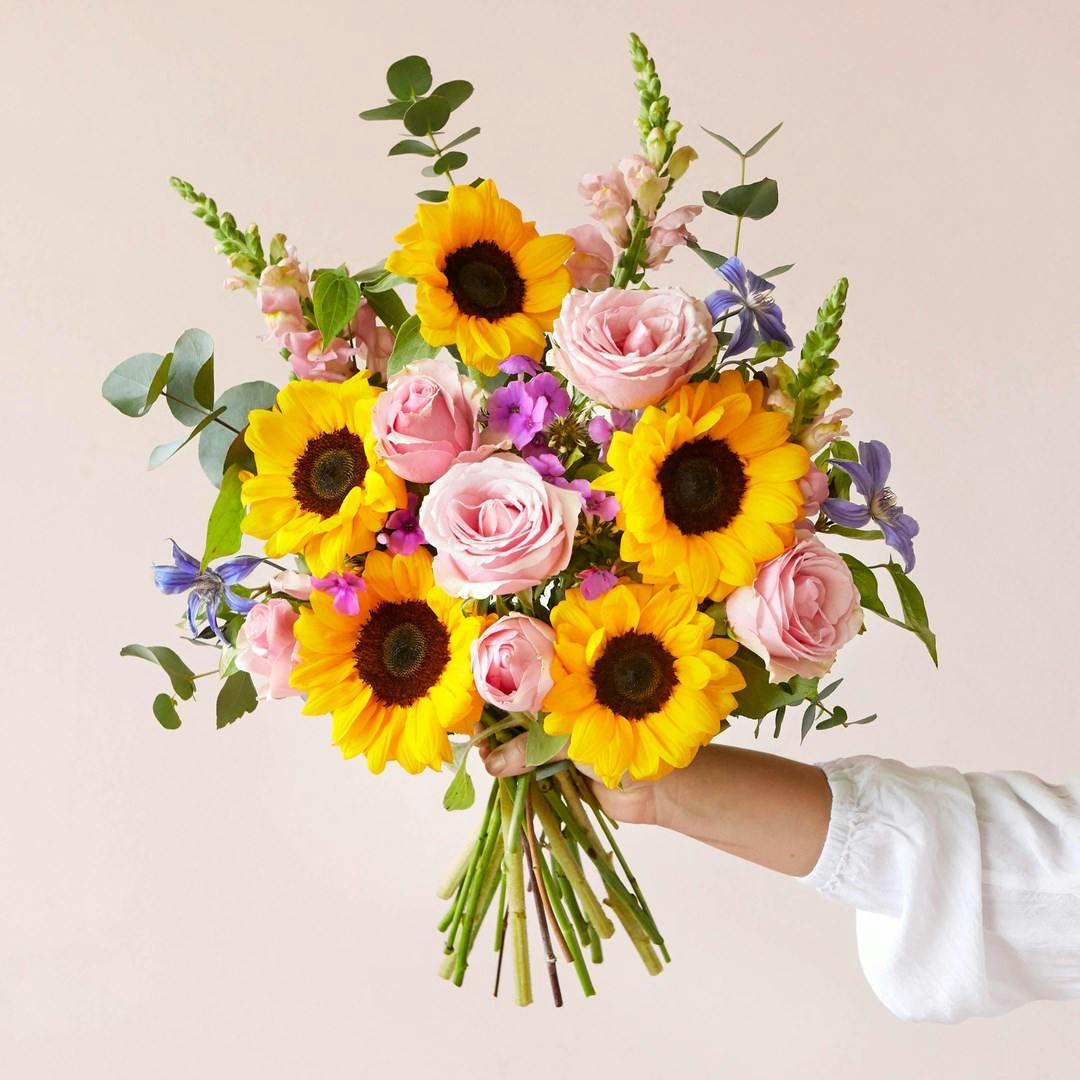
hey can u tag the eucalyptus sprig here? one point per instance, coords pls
(425, 114)
(244, 249)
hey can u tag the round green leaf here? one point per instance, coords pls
(236, 697)
(394, 111)
(409, 77)
(448, 162)
(128, 386)
(165, 711)
(754, 201)
(193, 350)
(456, 92)
(427, 115)
(412, 146)
(216, 440)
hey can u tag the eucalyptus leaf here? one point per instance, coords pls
(463, 137)
(193, 349)
(727, 142)
(180, 675)
(409, 345)
(409, 77)
(216, 441)
(457, 92)
(204, 385)
(133, 385)
(754, 201)
(865, 720)
(914, 608)
(240, 455)
(540, 747)
(427, 116)
(776, 271)
(808, 720)
(461, 794)
(763, 140)
(160, 454)
(388, 307)
(165, 712)
(394, 111)
(448, 162)
(830, 689)
(335, 298)
(710, 257)
(223, 536)
(412, 146)
(236, 697)
(433, 195)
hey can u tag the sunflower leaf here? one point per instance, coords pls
(388, 306)
(236, 697)
(409, 345)
(165, 712)
(461, 794)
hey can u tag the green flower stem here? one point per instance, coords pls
(631, 257)
(637, 935)
(739, 220)
(544, 896)
(566, 893)
(459, 905)
(562, 854)
(515, 898)
(198, 408)
(542, 907)
(438, 150)
(457, 873)
(488, 886)
(500, 926)
(482, 872)
(556, 892)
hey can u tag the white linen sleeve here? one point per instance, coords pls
(967, 886)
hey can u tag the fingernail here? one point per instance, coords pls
(496, 762)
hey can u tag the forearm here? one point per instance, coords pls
(757, 806)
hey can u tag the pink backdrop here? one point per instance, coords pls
(244, 903)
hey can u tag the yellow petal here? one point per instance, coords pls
(542, 256)
(570, 694)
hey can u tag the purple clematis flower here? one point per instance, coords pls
(402, 534)
(869, 474)
(750, 297)
(207, 587)
(522, 409)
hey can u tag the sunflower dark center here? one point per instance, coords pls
(484, 281)
(331, 465)
(635, 675)
(402, 651)
(703, 484)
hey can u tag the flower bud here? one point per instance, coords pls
(680, 161)
(656, 146)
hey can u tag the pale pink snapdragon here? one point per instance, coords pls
(669, 232)
(593, 260)
(310, 360)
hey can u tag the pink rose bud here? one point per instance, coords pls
(802, 608)
(629, 348)
(427, 418)
(266, 646)
(498, 527)
(593, 260)
(511, 663)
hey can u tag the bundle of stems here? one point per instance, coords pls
(540, 833)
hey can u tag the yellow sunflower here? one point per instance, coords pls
(321, 490)
(486, 281)
(396, 676)
(640, 682)
(708, 487)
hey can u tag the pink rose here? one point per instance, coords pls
(593, 260)
(372, 344)
(310, 361)
(628, 348)
(802, 608)
(511, 663)
(427, 418)
(670, 231)
(815, 490)
(498, 527)
(266, 646)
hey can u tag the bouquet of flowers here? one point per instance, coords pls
(551, 500)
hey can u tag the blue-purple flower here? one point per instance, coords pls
(869, 475)
(522, 409)
(207, 588)
(750, 297)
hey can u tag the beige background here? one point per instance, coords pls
(245, 904)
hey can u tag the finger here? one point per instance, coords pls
(508, 760)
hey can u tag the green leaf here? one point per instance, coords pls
(755, 201)
(388, 307)
(808, 720)
(461, 794)
(240, 455)
(540, 746)
(761, 697)
(866, 583)
(160, 454)
(427, 116)
(217, 442)
(914, 608)
(204, 385)
(408, 346)
(394, 111)
(409, 77)
(776, 271)
(710, 257)
(335, 298)
(412, 146)
(165, 712)
(180, 675)
(865, 720)
(457, 92)
(383, 284)
(464, 137)
(727, 142)
(434, 196)
(236, 697)
(449, 162)
(193, 349)
(375, 272)
(223, 536)
(763, 140)
(830, 689)
(133, 385)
